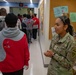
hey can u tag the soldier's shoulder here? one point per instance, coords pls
(70, 38)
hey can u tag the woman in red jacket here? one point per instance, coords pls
(14, 52)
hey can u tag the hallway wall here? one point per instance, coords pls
(36, 11)
(22, 10)
(17, 10)
(44, 38)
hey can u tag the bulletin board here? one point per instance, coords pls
(56, 3)
(42, 15)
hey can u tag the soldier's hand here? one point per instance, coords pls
(49, 53)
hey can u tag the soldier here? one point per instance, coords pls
(61, 48)
(74, 55)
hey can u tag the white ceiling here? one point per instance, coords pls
(23, 1)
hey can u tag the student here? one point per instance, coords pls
(24, 19)
(61, 48)
(35, 26)
(19, 24)
(29, 23)
(20, 17)
(14, 53)
(3, 13)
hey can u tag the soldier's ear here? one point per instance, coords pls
(65, 27)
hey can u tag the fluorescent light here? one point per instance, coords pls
(5, 0)
(31, 1)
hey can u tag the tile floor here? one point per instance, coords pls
(36, 66)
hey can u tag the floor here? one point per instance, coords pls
(36, 66)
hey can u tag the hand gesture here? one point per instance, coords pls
(49, 53)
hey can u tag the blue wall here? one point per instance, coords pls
(16, 4)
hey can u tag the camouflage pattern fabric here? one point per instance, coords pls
(64, 57)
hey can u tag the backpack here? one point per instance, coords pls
(23, 26)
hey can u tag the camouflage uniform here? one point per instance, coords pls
(62, 61)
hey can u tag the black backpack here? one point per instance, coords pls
(23, 26)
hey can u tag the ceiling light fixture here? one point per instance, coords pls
(31, 1)
(4, 0)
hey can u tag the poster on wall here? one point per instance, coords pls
(73, 16)
(64, 9)
(58, 11)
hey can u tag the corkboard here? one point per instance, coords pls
(55, 3)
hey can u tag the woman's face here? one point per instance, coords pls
(60, 28)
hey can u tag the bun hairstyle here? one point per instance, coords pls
(66, 21)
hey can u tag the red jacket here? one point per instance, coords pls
(36, 22)
(17, 54)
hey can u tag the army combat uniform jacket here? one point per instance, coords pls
(62, 61)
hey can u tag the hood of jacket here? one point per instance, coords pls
(10, 32)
